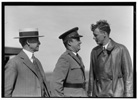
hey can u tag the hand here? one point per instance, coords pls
(89, 94)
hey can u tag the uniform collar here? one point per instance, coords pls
(74, 53)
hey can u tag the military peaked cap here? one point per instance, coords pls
(72, 33)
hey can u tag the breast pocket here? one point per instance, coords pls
(76, 74)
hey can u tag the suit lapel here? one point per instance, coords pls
(30, 65)
(43, 76)
(27, 62)
(40, 68)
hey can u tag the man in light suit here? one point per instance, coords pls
(24, 75)
(68, 78)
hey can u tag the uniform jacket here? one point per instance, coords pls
(69, 69)
(112, 77)
(21, 79)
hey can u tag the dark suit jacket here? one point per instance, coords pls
(112, 77)
(21, 79)
(69, 69)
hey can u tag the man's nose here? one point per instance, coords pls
(39, 42)
(80, 42)
(94, 37)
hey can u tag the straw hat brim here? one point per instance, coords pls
(27, 37)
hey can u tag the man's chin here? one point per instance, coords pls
(78, 50)
(97, 43)
(36, 50)
(100, 44)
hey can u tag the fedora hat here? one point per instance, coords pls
(28, 33)
(72, 33)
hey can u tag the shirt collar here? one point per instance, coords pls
(105, 46)
(28, 53)
(75, 53)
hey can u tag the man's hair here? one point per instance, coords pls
(23, 41)
(66, 42)
(101, 25)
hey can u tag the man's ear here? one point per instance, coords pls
(69, 42)
(105, 34)
(27, 43)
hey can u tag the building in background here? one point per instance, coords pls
(10, 52)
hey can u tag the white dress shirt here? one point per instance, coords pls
(29, 54)
(105, 46)
(75, 53)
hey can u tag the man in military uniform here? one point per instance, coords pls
(68, 78)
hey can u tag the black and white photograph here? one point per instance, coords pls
(68, 50)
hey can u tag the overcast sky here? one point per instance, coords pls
(52, 21)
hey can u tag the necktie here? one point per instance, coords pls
(105, 55)
(78, 56)
(104, 51)
(32, 59)
(36, 66)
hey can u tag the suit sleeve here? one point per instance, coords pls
(127, 73)
(58, 77)
(91, 76)
(10, 78)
